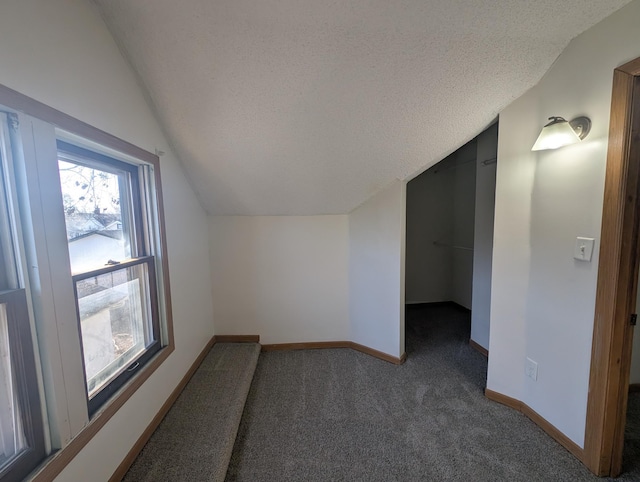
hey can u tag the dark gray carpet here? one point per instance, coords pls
(631, 458)
(321, 415)
(195, 440)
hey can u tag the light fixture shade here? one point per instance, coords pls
(555, 134)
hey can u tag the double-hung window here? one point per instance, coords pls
(85, 305)
(113, 270)
(21, 428)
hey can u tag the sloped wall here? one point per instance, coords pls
(61, 54)
(542, 301)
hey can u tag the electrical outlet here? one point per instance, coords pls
(531, 369)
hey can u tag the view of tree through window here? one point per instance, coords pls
(114, 282)
(93, 202)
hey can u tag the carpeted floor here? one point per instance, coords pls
(631, 458)
(195, 439)
(321, 415)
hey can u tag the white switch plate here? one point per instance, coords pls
(583, 249)
(531, 369)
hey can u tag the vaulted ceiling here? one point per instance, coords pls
(309, 107)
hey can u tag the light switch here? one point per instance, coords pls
(583, 249)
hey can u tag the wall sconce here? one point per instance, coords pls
(560, 133)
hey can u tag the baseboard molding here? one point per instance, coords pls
(314, 345)
(561, 438)
(379, 354)
(503, 399)
(436, 303)
(539, 420)
(634, 387)
(431, 303)
(122, 469)
(479, 348)
(237, 339)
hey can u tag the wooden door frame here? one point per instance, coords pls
(617, 280)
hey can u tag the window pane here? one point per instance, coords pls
(12, 437)
(95, 205)
(8, 273)
(115, 321)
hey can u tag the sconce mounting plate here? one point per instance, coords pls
(582, 126)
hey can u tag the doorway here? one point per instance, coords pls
(449, 241)
(617, 280)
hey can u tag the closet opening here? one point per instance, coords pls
(449, 243)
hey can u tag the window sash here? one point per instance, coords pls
(39, 126)
(8, 272)
(135, 229)
(26, 384)
(124, 374)
(132, 208)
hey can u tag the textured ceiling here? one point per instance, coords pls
(310, 107)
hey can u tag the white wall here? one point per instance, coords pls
(376, 271)
(60, 53)
(430, 219)
(464, 196)
(483, 235)
(284, 278)
(542, 299)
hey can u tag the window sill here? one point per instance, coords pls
(55, 464)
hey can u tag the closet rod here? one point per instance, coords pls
(486, 162)
(444, 245)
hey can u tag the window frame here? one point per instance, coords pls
(105, 393)
(92, 159)
(23, 366)
(23, 362)
(72, 129)
(137, 234)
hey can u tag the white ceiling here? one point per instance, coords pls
(311, 106)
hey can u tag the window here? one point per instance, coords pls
(85, 305)
(21, 429)
(113, 274)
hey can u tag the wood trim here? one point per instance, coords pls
(378, 354)
(12, 99)
(628, 273)
(54, 465)
(237, 338)
(476, 346)
(503, 399)
(22, 103)
(617, 279)
(631, 68)
(552, 431)
(539, 420)
(124, 466)
(314, 345)
(634, 387)
(27, 105)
